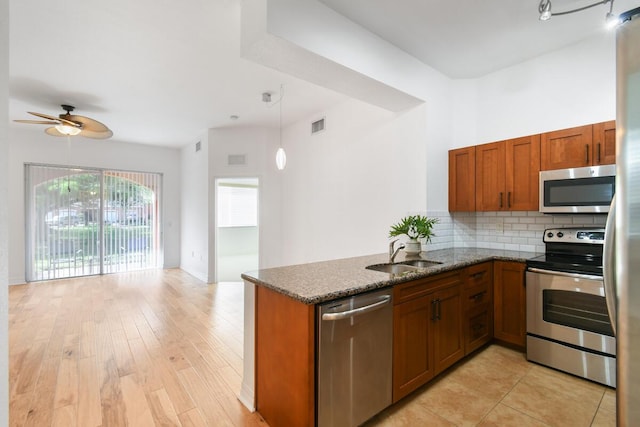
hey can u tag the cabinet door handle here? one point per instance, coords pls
(434, 310)
(439, 307)
(598, 153)
(501, 199)
(478, 275)
(509, 199)
(478, 296)
(586, 152)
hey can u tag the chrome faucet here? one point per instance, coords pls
(393, 253)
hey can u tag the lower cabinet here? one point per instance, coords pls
(439, 320)
(412, 358)
(427, 327)
(510, 302)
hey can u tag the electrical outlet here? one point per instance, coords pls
(499, 227)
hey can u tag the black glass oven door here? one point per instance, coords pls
(577, 310)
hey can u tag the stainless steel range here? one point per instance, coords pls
(568, 325)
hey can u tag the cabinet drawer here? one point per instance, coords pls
(478, 328)
(417, 288)
(479, 274)
(477, 296)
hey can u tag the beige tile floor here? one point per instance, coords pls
(498, 387)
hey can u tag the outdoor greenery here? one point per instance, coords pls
(68, 210)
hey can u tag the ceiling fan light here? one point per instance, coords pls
(68, 130)
(281, 159)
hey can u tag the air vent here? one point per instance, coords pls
(198, 146)
(237, 159)
(317, 126)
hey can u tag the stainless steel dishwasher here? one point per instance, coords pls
(354, 358)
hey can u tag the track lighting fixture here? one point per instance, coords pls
(544, 9)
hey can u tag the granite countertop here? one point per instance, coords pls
(318, 282)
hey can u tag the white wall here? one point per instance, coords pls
(194, 240)
(345, 186)
(34, 146)
(259, 145)
(4, 213)
(199, 172)
(566, 88)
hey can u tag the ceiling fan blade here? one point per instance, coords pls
(56, 119)
(44, 116)
(96, 135)
(37, 122)
(88, 124)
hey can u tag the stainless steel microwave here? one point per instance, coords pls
(577, 190)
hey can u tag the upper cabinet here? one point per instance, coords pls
(504, 175)
(507, 175)
(604, 143)
(462, 180)
(581, 146)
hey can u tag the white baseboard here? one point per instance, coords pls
(246, 397)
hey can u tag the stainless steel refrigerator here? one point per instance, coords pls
(622, 246)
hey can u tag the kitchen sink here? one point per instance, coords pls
(392, 268)
(404, 266)
(421, 263)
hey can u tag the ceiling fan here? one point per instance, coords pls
(68, 124)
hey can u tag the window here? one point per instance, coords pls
(237, 203)
(88, 221)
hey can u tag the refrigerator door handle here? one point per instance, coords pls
(608, 265)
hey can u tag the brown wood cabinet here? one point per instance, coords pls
(604, 143)
(427, 330)
(509, 302)
(462, 180)
(285, 359)
(477, 306)
(507, 174)
(589, 145)
(448, 339)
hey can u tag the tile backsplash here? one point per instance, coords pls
(520, 231)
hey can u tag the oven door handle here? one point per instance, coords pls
(565, 274)
(609, 267)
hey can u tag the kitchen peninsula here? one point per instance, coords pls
(280, 320)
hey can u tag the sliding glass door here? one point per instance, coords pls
(89, 221)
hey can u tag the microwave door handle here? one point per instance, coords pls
(608, 265)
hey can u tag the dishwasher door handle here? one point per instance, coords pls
(358, 311)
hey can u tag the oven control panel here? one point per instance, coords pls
(574, 235)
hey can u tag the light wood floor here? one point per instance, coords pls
(136, 349)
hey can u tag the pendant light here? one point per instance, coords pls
(281, 156)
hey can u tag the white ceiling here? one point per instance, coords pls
(162, 72)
